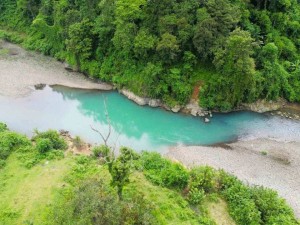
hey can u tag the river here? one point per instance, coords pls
(141, 128)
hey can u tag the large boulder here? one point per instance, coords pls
(137, 99)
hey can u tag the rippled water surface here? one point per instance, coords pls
(132, 125)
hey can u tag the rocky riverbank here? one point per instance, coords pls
(22, 70)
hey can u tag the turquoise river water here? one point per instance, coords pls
(142, 128)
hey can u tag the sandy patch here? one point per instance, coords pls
(20, 70)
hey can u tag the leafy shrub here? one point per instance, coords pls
(11, 141)
(137, 210)
(44, 145)
(3, 127)
(196, 196)
(55, 154)
(175, 175)
(83, 166)
(89, 203)
(54, 137)
(203, 177)
(92, 202)
(29, 156)
(274, 209)
(101, 151)
(242, 207)
(163, 172)
(206, 221)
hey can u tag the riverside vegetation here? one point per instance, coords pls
(43, 183)
(237, 51)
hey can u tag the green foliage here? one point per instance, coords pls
(53, 139)
(146, 46)
(236, 72)
(241, 205)
(44, 145)
(79, 43)
(203, 178)
(2, 163)
(29, 156)
(3, 127)
(101, 151)
(93, 202)
(163, 172)
(274, 209)
(120, 169)
(10, 142)
(254, 205)
(89, 203)
(83, 198)
(196, 196)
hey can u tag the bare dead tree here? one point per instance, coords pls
(104, 138)
(119, 167)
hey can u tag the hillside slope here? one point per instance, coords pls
(241, 50)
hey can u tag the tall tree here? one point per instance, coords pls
(235, 64)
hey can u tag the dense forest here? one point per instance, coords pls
(42, 182)
(236, 50)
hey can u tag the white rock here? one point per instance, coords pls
(154, 102)
(206, 120)
(194, 112)
(138, 100)
(176, 108)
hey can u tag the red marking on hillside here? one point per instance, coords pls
(196, 90)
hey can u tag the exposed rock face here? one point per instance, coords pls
(194, 109)
(154, 103)
(176, 108)
(140, 100)
(262, 106)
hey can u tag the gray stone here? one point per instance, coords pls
(39, 86)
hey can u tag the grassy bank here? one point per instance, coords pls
(42, 182)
